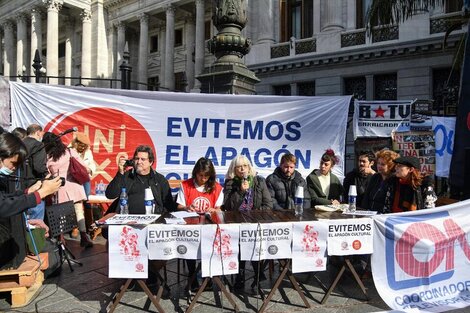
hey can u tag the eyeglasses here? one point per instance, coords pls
(81, 144)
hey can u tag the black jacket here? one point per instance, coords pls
(282, 189)
(35, 163)
(374, 196)
(135, 186)
(356, 178)
(233, 196)
(316, 193)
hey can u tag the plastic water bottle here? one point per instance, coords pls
(299, 201)
(352, 198)
(101, 188)
(149, 200)
(123, 203)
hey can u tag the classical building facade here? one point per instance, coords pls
(300, 47)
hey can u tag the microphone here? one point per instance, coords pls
(245, 176)
(68, 131)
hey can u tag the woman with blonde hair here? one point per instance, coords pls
(244, 190)
(376, 190)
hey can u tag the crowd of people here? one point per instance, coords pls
(32, 162)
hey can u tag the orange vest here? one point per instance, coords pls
(201, 200)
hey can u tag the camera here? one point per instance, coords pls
(129, 163)
(62, 180)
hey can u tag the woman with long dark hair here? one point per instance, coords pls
(58, 160)
(14, 201)
(201, 193)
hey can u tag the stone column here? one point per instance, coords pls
(36, 33)
(265, 19)
(316, 16)
(9, 62)
(351, 16)
(199, 50)
(110, 31)
(86, 45)
(162, 48)
(68, 51)
(21, 38)
(53, 8)
(189, 27)
(1, 51)
(121, 41)
(170, 49)
(143, 51)
(334, 15)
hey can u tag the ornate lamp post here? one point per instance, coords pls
(229, 74)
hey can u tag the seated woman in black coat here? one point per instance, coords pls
(13, 201)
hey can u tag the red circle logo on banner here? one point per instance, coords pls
(113, 135)
(356, 245)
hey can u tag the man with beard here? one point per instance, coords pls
(360, 176)
(283, 183)
(140, 177)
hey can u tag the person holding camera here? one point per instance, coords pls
(139, 177)
(58, 161)
(14, 201)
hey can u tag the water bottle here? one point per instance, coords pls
(123, 204)
(352, 198)
(149, 200)
(299, 201)
(101, 188)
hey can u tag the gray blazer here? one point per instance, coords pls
(317, 195)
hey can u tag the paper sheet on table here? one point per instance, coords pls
(332, 208)
(172, 221)
(184, 214)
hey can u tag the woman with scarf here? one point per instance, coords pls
(244, 190)
(376, 190)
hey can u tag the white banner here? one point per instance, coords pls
(128, 256)
(350, 236)
(219, 250)
(421, 258)
(309, 246)
(265, 241)
(184, 127)
(444, 131)
(381, 118)
(166, 242)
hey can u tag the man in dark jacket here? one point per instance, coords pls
(139, 178)
(35, 165)
(360, 176)
(283, 183)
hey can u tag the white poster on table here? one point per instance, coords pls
(421, 259)
(309, 246)
(265, 241)
(219, 250)
(350, 236)
(166, 242)
(128, 256)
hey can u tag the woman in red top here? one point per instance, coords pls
(201, 193)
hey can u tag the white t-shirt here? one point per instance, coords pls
(325, 183)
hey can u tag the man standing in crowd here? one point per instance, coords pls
(283, 183)
(139, 178)
(360, 176)
(35, 164)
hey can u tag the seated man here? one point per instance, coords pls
(359, 176)
(140, 177)
(283, 183)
